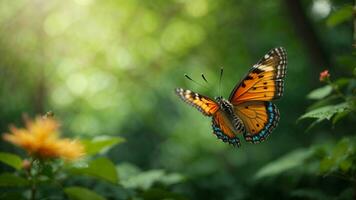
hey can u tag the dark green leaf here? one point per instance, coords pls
(309, 194)
(101, 168)
(80, 193)
(340, 115)
(11, 180)
(320, 93)
(342, 82)
(345, 165)
(155, 193)
(10, 159)
(328, 165)
(340, 16)
(101, 144)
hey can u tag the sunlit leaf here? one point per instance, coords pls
(320, 93)
(10, 159)
(127, 170)
(145, 180)
(101, 144)
(339, 16)
(80, 193)
(11, 180)
(326, 112)
(172, 178)
(101, 168)
(287, 162)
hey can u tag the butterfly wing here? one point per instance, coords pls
(204, 104)
(264, 82)
(222, 128)
(259, 118)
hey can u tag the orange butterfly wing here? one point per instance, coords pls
(259, 117)
(204, 104)
(251, 96)
(264, 82)
(223, 129)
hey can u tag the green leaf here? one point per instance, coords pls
(340, 115)
(10, 159)
(326, 112)
(342, 82)
(287, 162)
(127, 170)
(345, 165)
(101, 144)
(323, 102)
(340, 16)
(338, 158)
(101, 168)
(328, 165)
(320, 93)
(145, 180)
(80, 193)
(11, 180)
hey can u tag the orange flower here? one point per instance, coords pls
(324, 75)
(41, 139)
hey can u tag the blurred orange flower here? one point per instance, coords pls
(324, 75)
(41, 138)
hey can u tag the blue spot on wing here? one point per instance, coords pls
(235, 141)
(273, 118)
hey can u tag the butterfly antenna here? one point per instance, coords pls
(188, 77)
(221, 74)
(202, 75)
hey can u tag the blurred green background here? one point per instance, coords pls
(110, 68)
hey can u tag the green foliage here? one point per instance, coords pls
(11, 159)
(101, 168)
(101, 144)
(145, 180)
(340, 158)
(320, 93)
(111, 67)
(287, 162)
(327, 112)
(155, 193)
(11, 180)
(341, 15)
(80, 193)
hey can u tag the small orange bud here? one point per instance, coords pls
(26, 164)
(324, 75)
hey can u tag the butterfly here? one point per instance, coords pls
(249, 110)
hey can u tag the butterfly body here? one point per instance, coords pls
(249, 110)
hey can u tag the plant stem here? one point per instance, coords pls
(33, 178)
